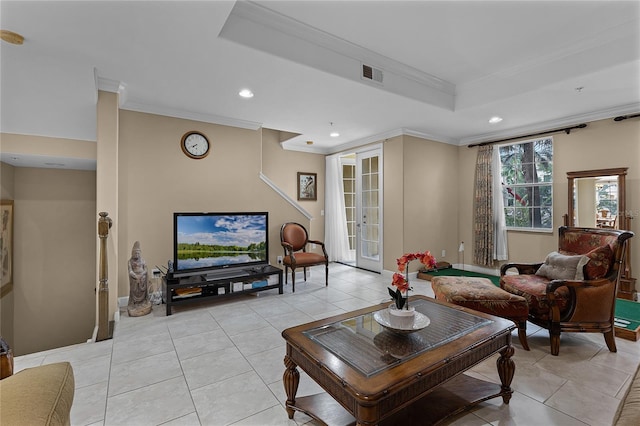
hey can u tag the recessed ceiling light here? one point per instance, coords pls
(246, 93)
(334, 134)
(495, 119)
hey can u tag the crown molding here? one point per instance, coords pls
(260, 28)
(562, 122)
(388, 135)
(108, 85)
(431, 136)
(290, 144)
(267, 17)
(190, 115)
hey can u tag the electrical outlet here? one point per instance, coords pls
(279, 260)
(313, 245)
(444, 253)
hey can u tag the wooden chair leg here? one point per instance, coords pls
(609, 338)
(286, 274)
(293, 280)
(305, 274)
(326, 275)
(522, 334)
(555, 344)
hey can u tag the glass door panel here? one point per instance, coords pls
(369, 211)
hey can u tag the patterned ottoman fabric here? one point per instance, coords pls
(481, 295)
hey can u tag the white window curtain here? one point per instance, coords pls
(500, 251)
(336, 239)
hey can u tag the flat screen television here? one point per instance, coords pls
(213, 241)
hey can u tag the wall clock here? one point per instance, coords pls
(195, 145)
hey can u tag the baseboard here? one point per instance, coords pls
(478, 269)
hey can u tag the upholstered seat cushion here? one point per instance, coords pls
(481, 295)
(534, 289)
(306, 259)
(38, 396)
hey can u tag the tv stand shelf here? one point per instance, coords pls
(206, 285)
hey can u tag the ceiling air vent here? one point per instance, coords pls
(372, 74)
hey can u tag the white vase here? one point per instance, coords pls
(401, 318)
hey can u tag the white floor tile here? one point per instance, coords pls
(222, 363)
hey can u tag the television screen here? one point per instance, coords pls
(205, 241)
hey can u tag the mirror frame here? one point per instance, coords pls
(621, 172)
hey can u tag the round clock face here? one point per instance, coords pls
(195, 145)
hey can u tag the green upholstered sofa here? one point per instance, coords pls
(38, 396)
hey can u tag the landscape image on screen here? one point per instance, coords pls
(219, 240)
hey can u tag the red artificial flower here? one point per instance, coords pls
(400, 281)
(428, 259)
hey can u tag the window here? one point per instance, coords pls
(527, 182)
(607, 194)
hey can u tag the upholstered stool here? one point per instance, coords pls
(481, 295)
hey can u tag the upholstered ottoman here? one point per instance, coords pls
(481, 295)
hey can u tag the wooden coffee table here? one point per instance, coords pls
(375, 376)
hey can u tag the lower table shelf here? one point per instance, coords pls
(199, 288)
(445, 401)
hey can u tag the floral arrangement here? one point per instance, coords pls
(401, 281)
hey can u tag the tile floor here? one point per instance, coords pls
(221, 363)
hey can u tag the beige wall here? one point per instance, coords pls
(420, 204)
(42, 145)
(6, 301)
(54, 258)
(156, 179)
(430, 202)
(602, 144)
(586, 202)
(394, 198)
(282, 167)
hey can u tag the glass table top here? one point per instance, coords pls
(368, 347)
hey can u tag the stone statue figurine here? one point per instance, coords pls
(139, 303)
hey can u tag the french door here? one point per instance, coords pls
(369, 210)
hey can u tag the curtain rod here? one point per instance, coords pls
(567, 130)
(624, 117)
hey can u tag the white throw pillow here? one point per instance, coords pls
(562, 267)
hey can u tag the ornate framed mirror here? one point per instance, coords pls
(597, 199)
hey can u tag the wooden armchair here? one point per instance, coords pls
(574, 290)
(294, 239)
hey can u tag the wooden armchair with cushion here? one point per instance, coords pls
(574, 290)
(294, 239)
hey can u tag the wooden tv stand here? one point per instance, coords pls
(218, 284)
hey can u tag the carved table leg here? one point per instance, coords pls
(291, 379)
(506, 370)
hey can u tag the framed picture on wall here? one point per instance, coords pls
(6, 246)
(307, 186)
